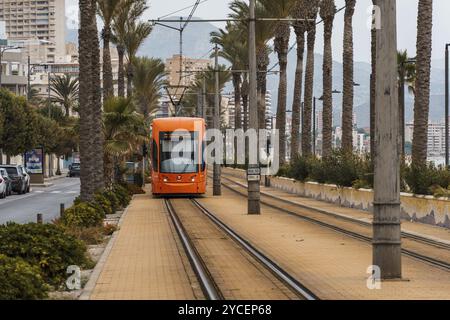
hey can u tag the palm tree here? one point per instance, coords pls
(207, 76)
(264, 32)
(148, 81)
(348, 83)
(311, 13)
(124, 131)
(127, 12)
(281, 9)
(234, 50)
(65, 91)
(107, 9)
(422, 85)
(327, 12)
(91, 141)
(299, 12)
(135, 36)
(406, 75)
(96, 107)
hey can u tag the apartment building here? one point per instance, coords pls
(14, 72)
(189, 68)
(43, 20)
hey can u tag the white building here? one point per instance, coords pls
(436, 138)
(36, 20)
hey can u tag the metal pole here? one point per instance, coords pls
(48, 102)
(204, 99)
(1, 66)
(314, 127)
(254, 206)
(386, 223)
(216, 124)
(446, 105)
(29, 80)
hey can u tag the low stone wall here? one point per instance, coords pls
(426, 209)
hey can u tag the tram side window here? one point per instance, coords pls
(154, 156)
(203, 156)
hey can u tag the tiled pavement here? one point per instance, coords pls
(145, 261)
(332, 265)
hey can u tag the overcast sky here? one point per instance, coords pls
(407, 20)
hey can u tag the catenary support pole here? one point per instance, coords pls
(386, 223)
(254, 206)
(216, 120)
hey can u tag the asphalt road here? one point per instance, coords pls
(45, 200)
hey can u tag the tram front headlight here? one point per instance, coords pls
(193, 179)
(165, 179)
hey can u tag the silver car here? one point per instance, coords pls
(3, 186)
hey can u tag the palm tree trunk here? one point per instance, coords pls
(108, 169)
(347, 100)
(327, 114)
(97, 133)
(237, 100)
(121, 73)
(85, 100)
(281, 47)
(298, 86)
(129, 79)
(108, 87)
(422, 88)
(309, 81)
(263, 63)
(401, 114)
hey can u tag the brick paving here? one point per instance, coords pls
(146, 260)
(332, 265)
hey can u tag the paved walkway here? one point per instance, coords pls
(146, 261)
(332, 265)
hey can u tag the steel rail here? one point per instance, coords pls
(281, 274)
(207, 283)
(430, 260)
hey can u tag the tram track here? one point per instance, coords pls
(414, 245)
(256, 262)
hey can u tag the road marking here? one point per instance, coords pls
(39, 191)
(57, 191)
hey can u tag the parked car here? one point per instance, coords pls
(27, 178)
(3, 187)
(8, 181)
(19, 179)
(74, 170)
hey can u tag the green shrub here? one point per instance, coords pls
(46, 246)
(134, 189)
(20, 280)
(122, 194)
(423, 179)
(300, 168)
(102, 203)
(82, 215)
(113, 199)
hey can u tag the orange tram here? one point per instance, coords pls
(177, 152)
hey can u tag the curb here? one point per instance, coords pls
(90, 285)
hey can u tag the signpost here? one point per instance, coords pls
(34, 162)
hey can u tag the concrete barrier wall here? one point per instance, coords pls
(426, 209)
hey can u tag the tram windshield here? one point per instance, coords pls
(179, 152)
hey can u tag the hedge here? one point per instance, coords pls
(46, 246)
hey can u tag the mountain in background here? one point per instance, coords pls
(164, 43)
